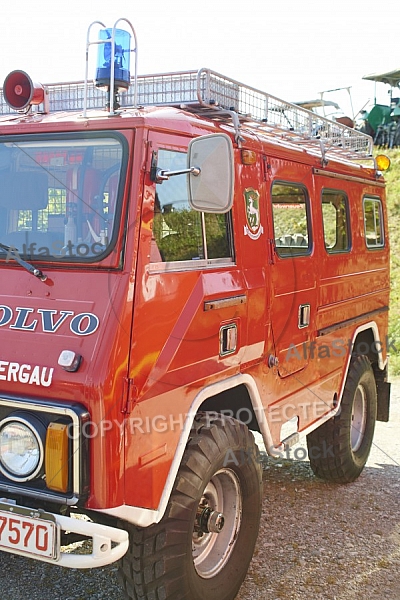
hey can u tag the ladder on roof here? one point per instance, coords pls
(221, 98)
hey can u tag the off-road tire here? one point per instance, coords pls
(339, 449)
(160, 564)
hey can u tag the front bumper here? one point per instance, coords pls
(109, 544)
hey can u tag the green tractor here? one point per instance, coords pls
(382, 122)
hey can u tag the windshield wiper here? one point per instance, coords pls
(13, 252)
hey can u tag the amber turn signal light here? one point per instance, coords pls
(56, 457)
(249, 157)
(382, 162)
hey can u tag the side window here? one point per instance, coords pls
(335, 215)
(291, 222)
(180, 233)
(373, 223)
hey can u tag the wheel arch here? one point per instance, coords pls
(234, 401)
(367, 342)
(365, 337)
(240, 390)
(213, 398)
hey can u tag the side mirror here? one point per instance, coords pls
(211, 180)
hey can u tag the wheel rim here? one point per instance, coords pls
(211, 551)
(358, 418)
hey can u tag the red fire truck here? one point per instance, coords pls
(176, 272)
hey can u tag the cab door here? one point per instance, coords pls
(190, 316)
(293, 269)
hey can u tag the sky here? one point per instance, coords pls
(293, 50)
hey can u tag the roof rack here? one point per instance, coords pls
(221, 98)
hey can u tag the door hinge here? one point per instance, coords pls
(266, 166)
(153, 166)
(129, 395)
(271, 251)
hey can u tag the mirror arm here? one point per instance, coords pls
(162, 175)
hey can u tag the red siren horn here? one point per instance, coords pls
(20, 92)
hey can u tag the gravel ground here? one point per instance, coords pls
(318, 541)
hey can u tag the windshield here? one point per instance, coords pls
(59, 195)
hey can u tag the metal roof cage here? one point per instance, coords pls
(221, 98)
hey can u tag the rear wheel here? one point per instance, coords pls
(202, 547)
(339, 449)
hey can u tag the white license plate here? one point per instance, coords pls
(23, 533)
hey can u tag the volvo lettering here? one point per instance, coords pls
(48, 320)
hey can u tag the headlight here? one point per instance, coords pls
(21, 447)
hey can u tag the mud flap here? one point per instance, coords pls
(383, 393)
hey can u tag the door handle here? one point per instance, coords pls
(228, 337)
(304, 315)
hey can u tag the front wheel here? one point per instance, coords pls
(339, 449)
(202, 547)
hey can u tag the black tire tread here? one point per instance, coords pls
(336, 462)
(152, 569)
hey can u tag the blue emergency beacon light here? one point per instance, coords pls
(113, 63)
(122, 56)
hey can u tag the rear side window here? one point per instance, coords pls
(335, 216)
(373, 223)
(291, 221)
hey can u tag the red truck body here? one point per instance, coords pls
(134, 328)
